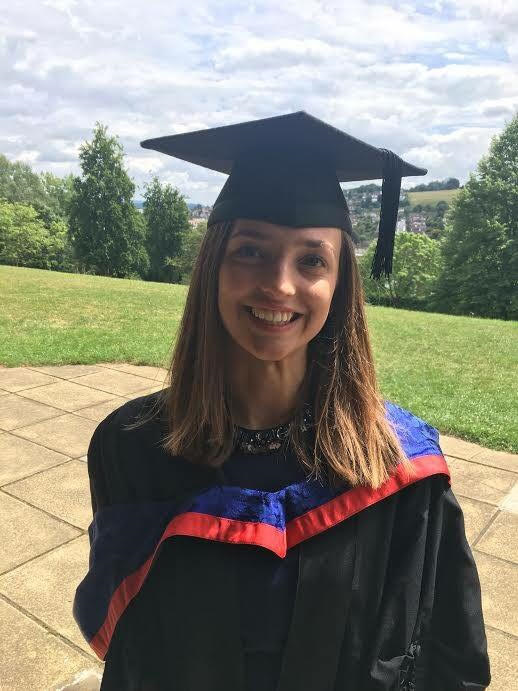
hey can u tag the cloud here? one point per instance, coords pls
(432, 80)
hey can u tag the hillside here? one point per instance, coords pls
(431, 198)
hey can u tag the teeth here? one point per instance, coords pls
(274, 317)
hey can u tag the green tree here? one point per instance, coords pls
(18, 183)
(183, 264)
(58, 195)
(106, 232)
(480, 247)
(167, 219)
(415, 268)
(26, 241)
(365, 229)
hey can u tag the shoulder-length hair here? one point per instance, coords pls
(352, 439)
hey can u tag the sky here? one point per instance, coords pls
(433, 81)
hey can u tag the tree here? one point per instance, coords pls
(448, 184)
(105, 229)
(451, 184)
(415, 268)
(167, 219)
(366, 229)
(480, 248)
(18, 183)
(184, 263)
(58, 195)
(26, 241)
(46, 192)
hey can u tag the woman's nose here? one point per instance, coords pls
(279, 279)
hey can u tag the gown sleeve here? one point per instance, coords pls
(98, 484)
(457, 645)
(130, 657)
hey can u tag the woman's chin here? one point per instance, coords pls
(270, 352)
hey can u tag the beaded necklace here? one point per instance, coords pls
(270, 439)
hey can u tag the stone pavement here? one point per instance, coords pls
(47, 416)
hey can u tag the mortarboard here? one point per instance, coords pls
(287, 170)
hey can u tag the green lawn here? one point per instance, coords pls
(432, 198)
(458, 373)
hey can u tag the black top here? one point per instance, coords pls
(267, 584)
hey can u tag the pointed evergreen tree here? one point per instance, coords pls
(105, 229)
(167, 219)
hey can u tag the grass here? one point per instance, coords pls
(432, 198)
(457, 373)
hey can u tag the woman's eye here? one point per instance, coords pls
(312, 258)
(246, 251)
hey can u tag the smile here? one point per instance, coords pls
(273, 321)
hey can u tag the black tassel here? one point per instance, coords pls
(390, 191)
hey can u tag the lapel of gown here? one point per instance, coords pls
(326, 570)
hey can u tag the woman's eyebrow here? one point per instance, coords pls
(248, 232)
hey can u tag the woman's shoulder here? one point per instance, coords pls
(115, 424)
(127, 413)
(416, 435)
(131, 461)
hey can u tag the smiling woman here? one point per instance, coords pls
(273, 298)
(234, 368)
(268, 522)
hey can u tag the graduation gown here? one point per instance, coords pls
(387, 595)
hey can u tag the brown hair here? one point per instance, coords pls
(352, 440)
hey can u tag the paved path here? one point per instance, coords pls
(47, 416)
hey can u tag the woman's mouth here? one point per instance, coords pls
(270, 320)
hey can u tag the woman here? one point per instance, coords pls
(267, 521)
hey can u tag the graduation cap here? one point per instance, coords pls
(287, 170)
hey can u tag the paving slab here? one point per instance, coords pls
(115, 382)
(497, 459)
(477, 515)
(66, 395)
(510, 501)
(157, 374)
(63, 491)
(46, 586)
(87, 680)
(458, 448)
(37, 660)
(16, 411)
(99, 411)
(69, 434)
(67, 371)
(481, 482)
(501, 538)
(503, 655)
(20, 457)
(498, 580)
(145, 392)
(15, 379)
(28, 532)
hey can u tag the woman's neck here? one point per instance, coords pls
(265, 394)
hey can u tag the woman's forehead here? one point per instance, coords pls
(249, 227)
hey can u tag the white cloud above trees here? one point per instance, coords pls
(431, 80)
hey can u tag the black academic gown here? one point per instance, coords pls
(388, 595)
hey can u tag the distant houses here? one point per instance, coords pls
(416, 223)
(363, 204)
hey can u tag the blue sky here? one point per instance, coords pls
(431, 80)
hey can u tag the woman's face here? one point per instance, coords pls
(276, 284)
